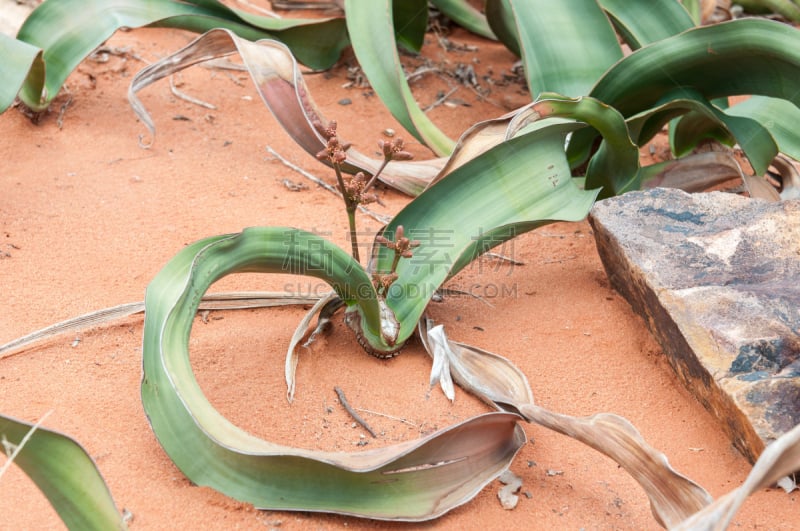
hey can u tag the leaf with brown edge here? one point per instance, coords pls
(281, 86)
(494, 379)
(415, 480)
(778, 460)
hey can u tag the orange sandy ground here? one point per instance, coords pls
(87, 218)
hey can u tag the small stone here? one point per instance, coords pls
(345, 101)
(508, 492)
(389, 132)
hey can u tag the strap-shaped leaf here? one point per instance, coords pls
(416, 480)
(68, 30)
(764, 54)
(410, 21)
(465, 15)
(496, 380)
(755, 139)
(371, 28)
(514, 187)
(280, 84)
(64, 473)
(778, 116)
(501, 20)
(20, 60)
(566, 46)
(642, 23)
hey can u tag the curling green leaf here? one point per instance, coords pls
(416, 480)
(702, 60)
(514, 187)
(778, 116)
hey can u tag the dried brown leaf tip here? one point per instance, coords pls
(356, 187)
(393, 150)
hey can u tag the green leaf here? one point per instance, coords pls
(642, 23)
(694, 9)
(745, 56)
(697, 65)
(410, 22)
(20, 60)
(755, 140)
(501, 20)
(512, 188)
(64, 473)
(566, 46)
(68, 30)
(371, 28)
(466, 16)
(615, 166)
(416, 480)
(779, 117)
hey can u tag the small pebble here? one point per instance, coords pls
(345, 101)
(389, 132)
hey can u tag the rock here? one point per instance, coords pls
(717, 279)
(508, 492)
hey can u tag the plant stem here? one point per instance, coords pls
(350, 206)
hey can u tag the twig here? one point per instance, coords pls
(332, 189)
(352, 412)
(18, 447)
(440, 100)
(210, 301)
(558, 260)
(186, 97)
(504, 258)
(62, 111)
(421, 71)
(399, 419)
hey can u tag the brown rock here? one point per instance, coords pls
(717, 279)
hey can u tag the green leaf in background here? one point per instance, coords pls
(755, 140)
(410, 23)
(462, 13)
(765, 56)
(500, 18)
(697, 65)
(415, 480)
(780, 117)
(642, 23)
(566, 46)
(64, 473)
(371, 28)
(694, 9)
(68, 30)
(20, 60)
